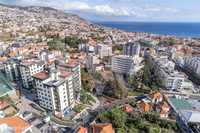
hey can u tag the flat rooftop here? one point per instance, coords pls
(180, 104)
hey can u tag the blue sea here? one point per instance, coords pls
(161, 28)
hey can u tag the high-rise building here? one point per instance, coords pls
(192, 64)
(55, 90)
(122, 64)
(73, 67)
(91, 60)
(11, 68)
(103, 50)
(28, 68)
(131, 49)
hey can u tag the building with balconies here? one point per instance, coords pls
(55, 90)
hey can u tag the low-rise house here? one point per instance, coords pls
(144, 106)
(163, 108)
(14, 125)
(156, 97)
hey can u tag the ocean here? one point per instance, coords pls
(161, 28)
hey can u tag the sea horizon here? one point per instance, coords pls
(179, 29)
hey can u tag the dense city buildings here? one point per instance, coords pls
(69, 75)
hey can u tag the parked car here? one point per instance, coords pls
(32, 119)
(40, 125)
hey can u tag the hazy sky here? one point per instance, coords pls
(124, 10)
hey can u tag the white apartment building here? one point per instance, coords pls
(55, 90)
(193, 64)
(75, 69)
(122, 64)
(103, 50)
(91, 60)
(171, 79)
(27, 69)
(11, 69)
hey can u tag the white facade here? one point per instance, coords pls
(171, 79)
(91, 60)
(11, 69)
(122, 64)
(75, 69)
(55, 91)
(103, 50)
(192, 63)
(27, 69)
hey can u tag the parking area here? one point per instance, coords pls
(39, 125)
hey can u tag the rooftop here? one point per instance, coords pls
(16, 123)
(102, 128)
(180, 103)
(64, 74)
(41, 75)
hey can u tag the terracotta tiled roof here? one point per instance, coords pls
(16, 123)
(127, 108)
(82, 130)
(41, 75)
(156, 95)
(164, 107)
(3, 58)
(102, 128)
(144, 107)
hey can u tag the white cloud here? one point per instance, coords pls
(77, 5)
(126, 9)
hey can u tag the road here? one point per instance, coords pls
(193, 95)
(113, 104)
(93, 113)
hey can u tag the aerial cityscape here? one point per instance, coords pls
(99, 66)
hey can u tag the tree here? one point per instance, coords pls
(104, 117)
(120, 130)
(154, 129)
(118, 118)
(56, 44)
(132, 82)
(73, 41)
(87, 81)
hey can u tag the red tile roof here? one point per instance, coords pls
(18, 124)
(82, 130)
(102, 128)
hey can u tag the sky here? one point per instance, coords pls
(123, 10)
